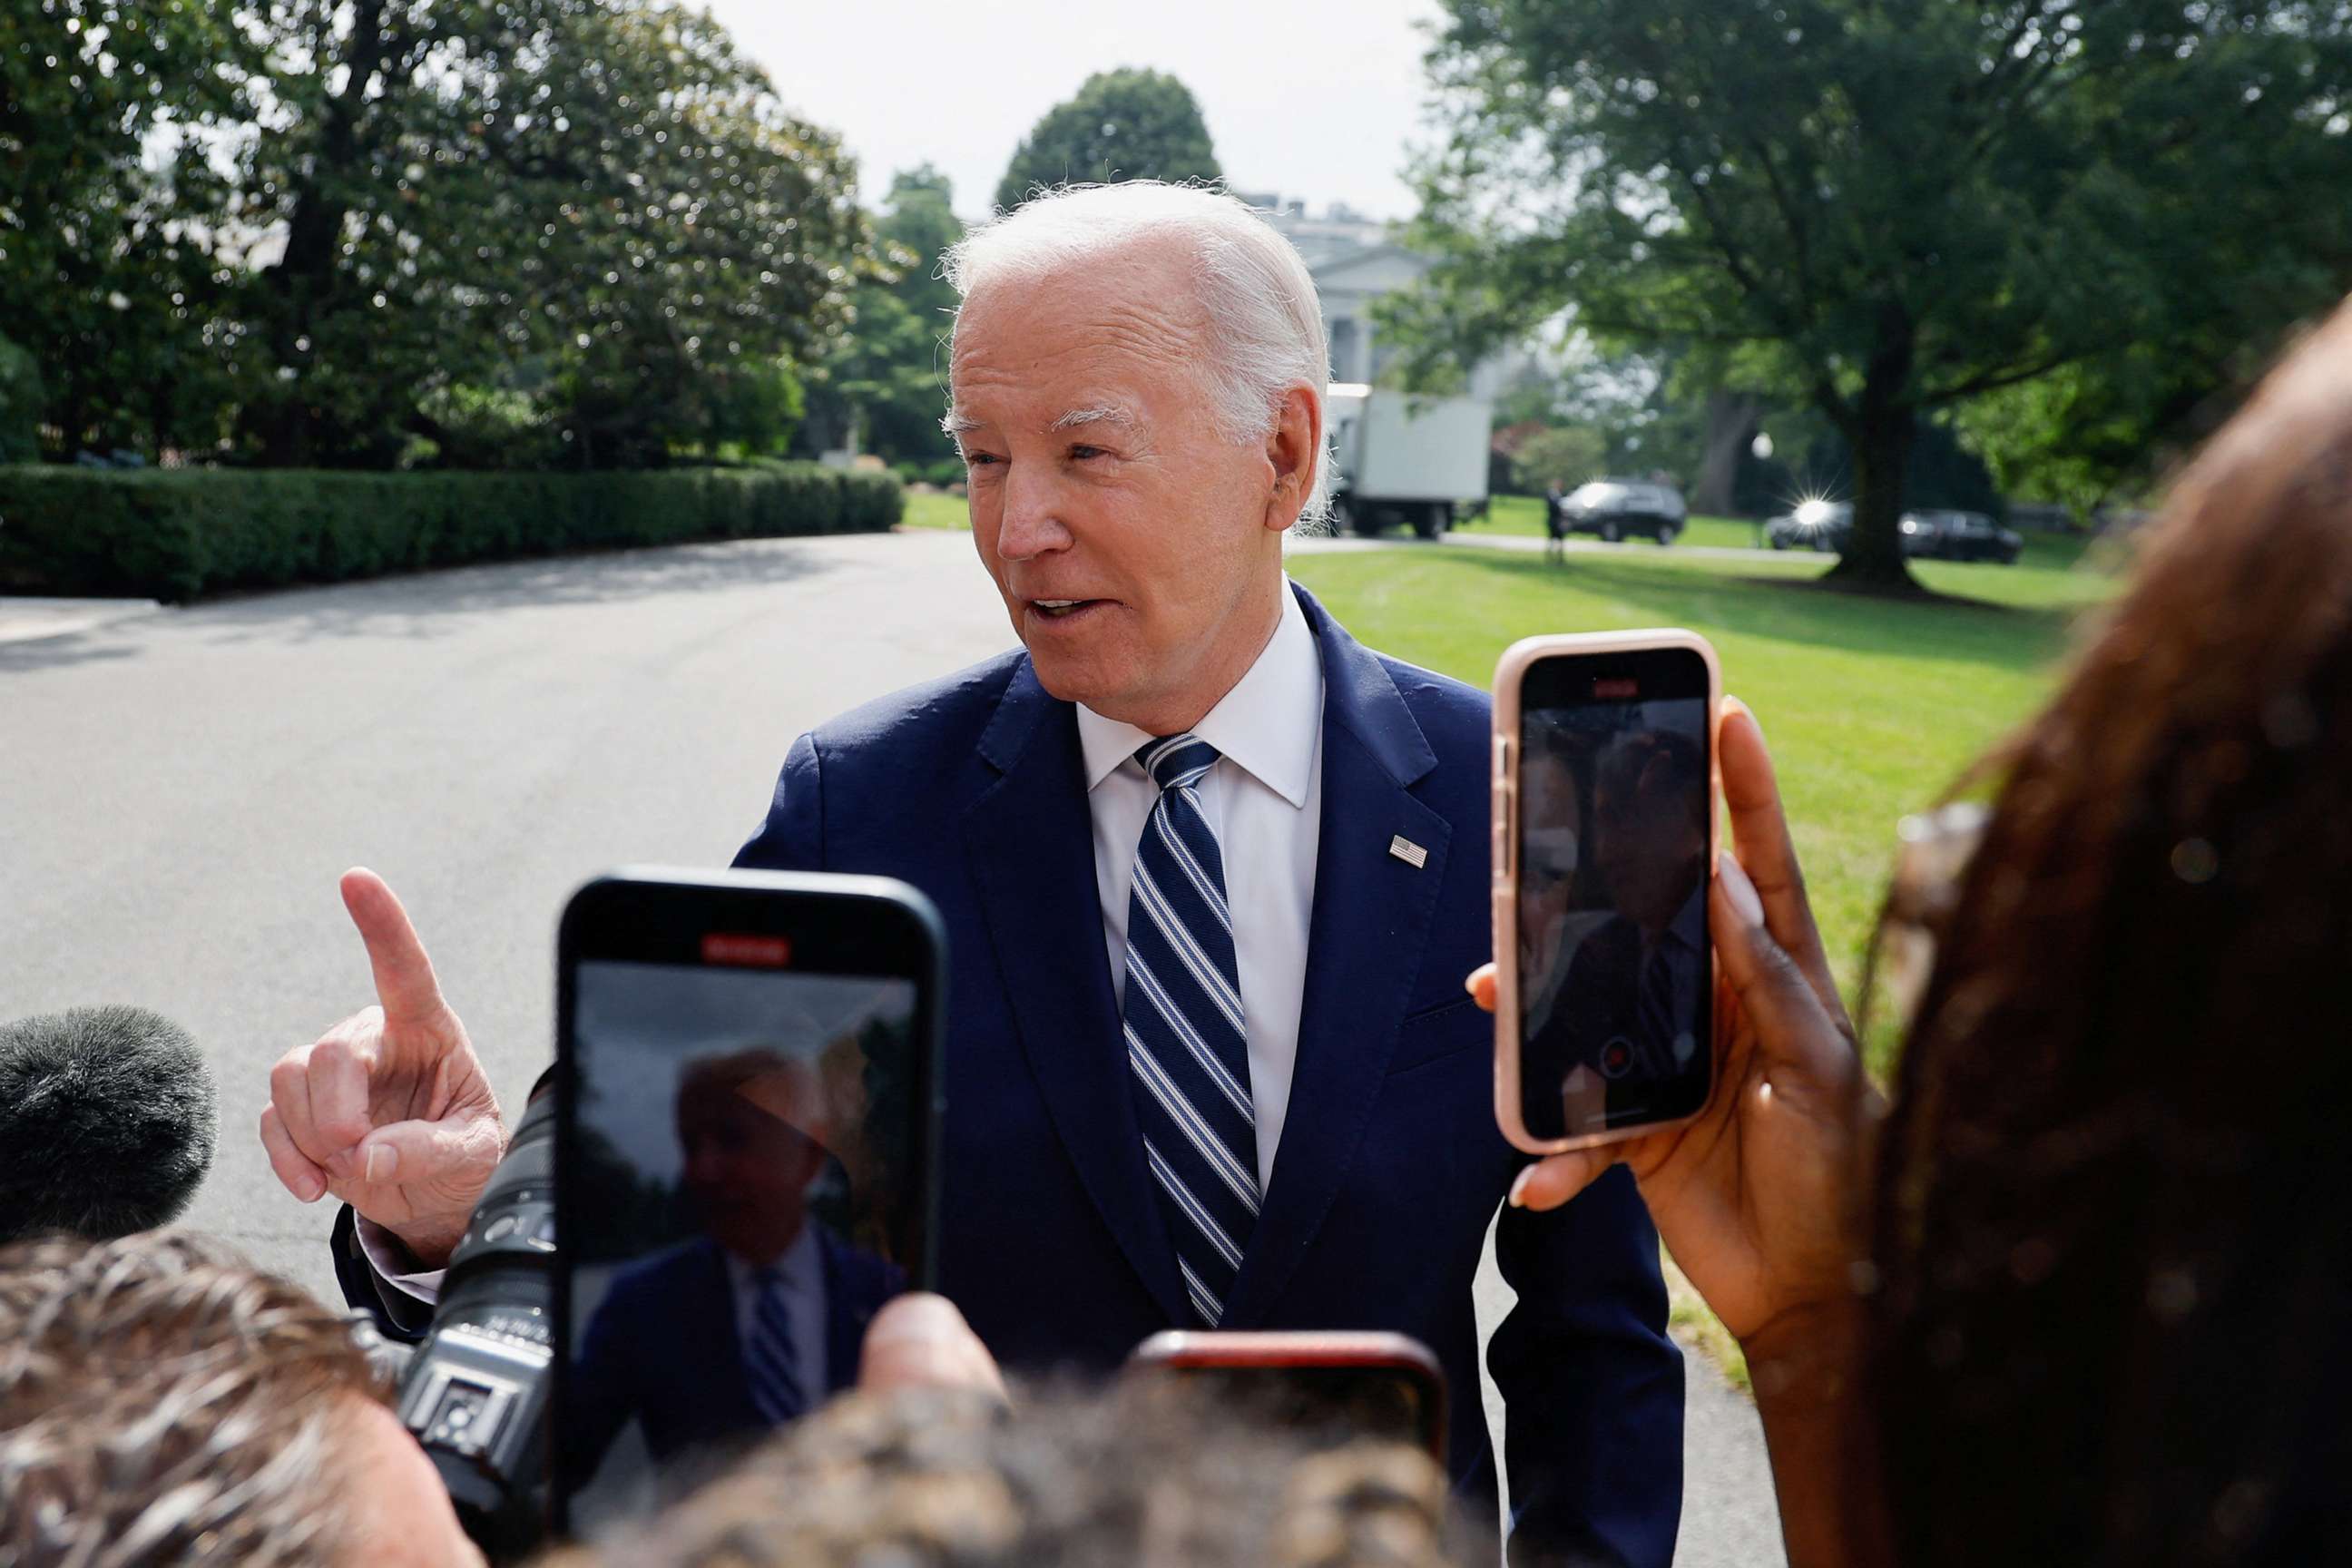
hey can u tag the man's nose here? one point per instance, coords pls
(1032, 524)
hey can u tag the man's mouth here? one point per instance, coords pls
(1063, 609)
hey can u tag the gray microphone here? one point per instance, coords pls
(107, 1123)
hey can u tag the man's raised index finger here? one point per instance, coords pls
(403, 976)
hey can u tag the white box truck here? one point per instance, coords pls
(1404, 459)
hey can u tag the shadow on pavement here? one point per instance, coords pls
(424, 604)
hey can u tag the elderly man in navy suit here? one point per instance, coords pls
(1213, 874)
(757, 1319)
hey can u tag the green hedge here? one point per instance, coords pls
(175, 534)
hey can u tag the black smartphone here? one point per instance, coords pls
(747, 1155)
(1604, 843)
(1332, 1385)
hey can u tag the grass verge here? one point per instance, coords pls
(936, 509)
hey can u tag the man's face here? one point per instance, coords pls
(748, 1170)
(1138, 550)
(1649, 848)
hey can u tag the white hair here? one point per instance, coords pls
(1266, 323)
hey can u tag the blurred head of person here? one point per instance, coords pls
(752, 1128)
(2113, 1273)
(1650, 803)
(1136, 387)
(926, 1478)
(163, 1402)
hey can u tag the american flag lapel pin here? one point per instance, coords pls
(1406, 850)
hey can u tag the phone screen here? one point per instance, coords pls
(1614, 967)
(743, 1187)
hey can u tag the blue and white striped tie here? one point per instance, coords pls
(1185, 1045)
(776, 1391)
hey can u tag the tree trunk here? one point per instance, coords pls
(1730, 425)
(1880, 432)
(303, 281)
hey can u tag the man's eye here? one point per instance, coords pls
(1086, 451)
(975, 459)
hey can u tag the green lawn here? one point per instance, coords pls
(1524, 515)
(936, 511)
(1871, 708)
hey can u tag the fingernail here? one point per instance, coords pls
(1737, 888)
(916, 1317)
(1519, 1187)
(1736, 703)
(382, 1162)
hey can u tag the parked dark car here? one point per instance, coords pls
(1823, 525)
(1960, 536)
(1617, 508)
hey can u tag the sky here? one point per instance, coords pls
(1319, 100)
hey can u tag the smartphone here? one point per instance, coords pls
(1604, 843)
(1334, 1385)
(746, 1155)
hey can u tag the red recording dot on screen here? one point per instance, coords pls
(746, 952)
(1622, 689)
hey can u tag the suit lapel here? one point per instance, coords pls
(1031, 840)
(1369, 921)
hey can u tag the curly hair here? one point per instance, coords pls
(2111, 1321)
(1137, 1475)
(163, 1402)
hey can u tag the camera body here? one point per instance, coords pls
(476, 1390)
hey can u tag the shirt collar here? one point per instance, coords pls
(1268, 724)
(799, 1263)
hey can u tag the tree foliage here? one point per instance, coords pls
(1125, 124)
(1885, 209)
(105, 259)
(1564, 455)
(884, 384)
(346, 232)
(600, 206)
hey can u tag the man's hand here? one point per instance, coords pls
(388, 1110)
(1761, 1199)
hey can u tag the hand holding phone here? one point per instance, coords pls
(1759, 1198)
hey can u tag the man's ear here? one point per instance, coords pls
(1293, 448)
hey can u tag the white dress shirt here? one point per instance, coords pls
(1265, 799)
(801, 1265)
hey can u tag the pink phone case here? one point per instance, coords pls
(1510, 671)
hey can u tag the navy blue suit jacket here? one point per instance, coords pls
(973, 789)
(663, 1346)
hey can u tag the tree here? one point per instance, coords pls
(1565, 455)
(883, 384)
(597, 206)
(105, 236)
(1123, 124)
(1911, 206)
